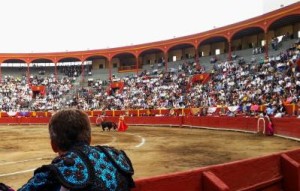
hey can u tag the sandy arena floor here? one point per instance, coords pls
(153, 150)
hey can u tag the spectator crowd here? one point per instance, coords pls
(244, 85)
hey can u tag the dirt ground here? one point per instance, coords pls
(153, 150)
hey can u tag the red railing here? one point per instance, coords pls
(275, 172)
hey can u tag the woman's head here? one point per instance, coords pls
(69, 127)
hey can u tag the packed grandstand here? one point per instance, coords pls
(241, 85)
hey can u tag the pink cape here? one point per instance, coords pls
(122, 126)
(270, 130)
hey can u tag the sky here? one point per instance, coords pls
(68, 25)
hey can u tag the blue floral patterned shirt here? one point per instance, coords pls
(85, 168)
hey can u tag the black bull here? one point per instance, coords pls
(108, 125)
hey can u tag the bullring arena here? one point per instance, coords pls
(213, 111)
(154, 150)
(161, 151)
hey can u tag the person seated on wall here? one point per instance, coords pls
(230, 113)
(246, 108)
(203, 111)
(80, 166)
(270, 110)
(280, 111)
(222, 111)
(254, 108)
(239, 110)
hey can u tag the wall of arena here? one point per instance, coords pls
(274, 172)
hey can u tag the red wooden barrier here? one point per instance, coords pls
(189, 180)
(270, 173)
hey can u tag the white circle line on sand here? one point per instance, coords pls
(18, 172)
(143, 140)
(21, 161)
(114, 139)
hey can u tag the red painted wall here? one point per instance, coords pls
(270, 173)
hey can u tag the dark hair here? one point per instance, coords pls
(69, 127)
